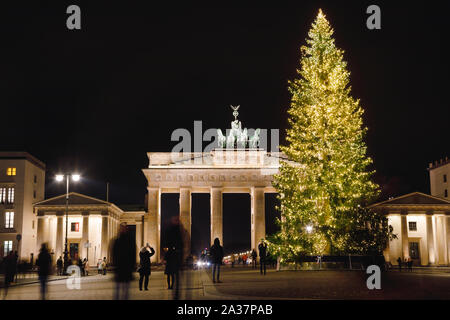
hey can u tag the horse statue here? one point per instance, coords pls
(230, 141)
(253, 142)
(242, 139)
(221, 139)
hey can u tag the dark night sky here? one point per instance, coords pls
(96, 100)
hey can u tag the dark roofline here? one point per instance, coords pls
(437, 164)
(14, 155)
(132, 207)
(408, 195)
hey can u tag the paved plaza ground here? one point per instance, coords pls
(245, 283)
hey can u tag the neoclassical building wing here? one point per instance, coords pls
(422, 225)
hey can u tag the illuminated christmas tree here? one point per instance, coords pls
(324, 188)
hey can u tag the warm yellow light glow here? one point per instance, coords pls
(11, 171)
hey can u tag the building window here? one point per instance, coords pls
(35, 179)
(7, 247)
(2, 195)
(11, 171)
(412, 226)
(9, 220)
(445, 178)
(34, 194)
(445, 193)
(10, 195)
(32, 225)
(74, 227)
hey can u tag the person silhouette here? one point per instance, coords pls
(216, 257)
(145, 266)
(124, 261)
(262, 247)
(44, 263)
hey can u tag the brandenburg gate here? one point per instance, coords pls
(228, 169)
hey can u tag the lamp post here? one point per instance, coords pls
(60, 178)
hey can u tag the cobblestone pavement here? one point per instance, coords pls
(325, 284)
(245, 283)
(27, 278)
(99, 287)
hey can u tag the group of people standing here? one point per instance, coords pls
(82, 264)
(263, 258)
(124, 260)
(408, 263)
(216, 253)
(43, 262)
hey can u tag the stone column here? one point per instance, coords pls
(153, 236)
(216, 214)
(405, 242)
(110, 228)
(258, 216)
(114, 227)
(447, 235)
(139, 244)
(59, 246)
(430, 239)
(85, 235)
(441, 240)
(185, 219)
(144, 224)
(105, 234)
(40, 233)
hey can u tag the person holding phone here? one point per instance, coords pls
(145, 266)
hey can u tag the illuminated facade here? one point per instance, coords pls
(219, 171)
(92, 224)
(22, 182)
(439, 178)
(422, 225)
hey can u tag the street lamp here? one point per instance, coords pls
(60, 178)
(309, 228)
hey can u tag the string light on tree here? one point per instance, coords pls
(325, 139)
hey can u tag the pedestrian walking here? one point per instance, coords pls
(59, 266)
(99, 266)
(244, 260)
(216, 257)
(104, 265)
(399, 261)
(254, 256)
(10, 269)
(172, 266)
(175, 236)
(262, 247)
(410, 264)
(44, 263)
(124, 261)
(85, 267)
(233, 259)
(81, 266)
(145, 266)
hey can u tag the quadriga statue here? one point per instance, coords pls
(237, 137)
